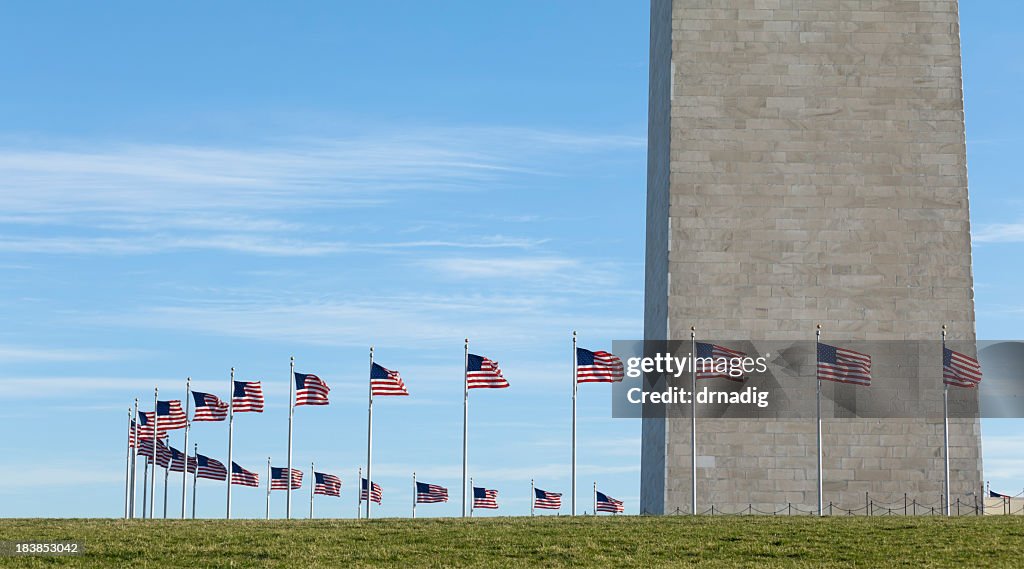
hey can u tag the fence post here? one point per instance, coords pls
(905, 504)
(789, 509)
(867, 504)
(750, 509)
(958, 507)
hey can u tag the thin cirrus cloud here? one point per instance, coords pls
(999, 233)
(145, 199)
(403, 319)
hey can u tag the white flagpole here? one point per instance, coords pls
(312, 487)
(167, 476)
(291, 416)
(465, 429)
(184, 449)
(945, 424)
(533, 496)
(369, 439)
(231, 434)
(817, 379)
(359, 494)
(268, 487)
(128, 469)
(595, 498)
(135, 445)
(693, 419)
(471, 503)
(195, 477)
(145, 475)
(575, 386)
(156, 425)
(414, 495)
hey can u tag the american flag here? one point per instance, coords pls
(430, 493)
(279, 479)
(243, 477)
(247, 397)
(384, 381)
(177, 460)
(485, 499)
(483, 373)
(210, 468)
(378, 493)
(146, 420)
(163, 454)
(722, 363)
(209, 407)
(131, 433)
(606, 503)
(327, 484)
(960, 370)
(170, 415)
(310, 390)
(597, 367)
(992, 494)
(546, 500)
(843, 366)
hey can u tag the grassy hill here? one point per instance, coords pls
(538, 542)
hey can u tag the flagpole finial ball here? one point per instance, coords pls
(819, 326)
(943, 326)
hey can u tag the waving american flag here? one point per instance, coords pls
(310, 390)
(483, 373)
(843, 366)
(597, 367)
(606, 503)
(210, 468)
(170, 415)
(546, 500)
(960, 370)
(247, 396)
(327, 484)
(243, 477)
(430, 493)
(209, 407)
(279, 478)
(485, 498)
(384, 381)
(378, 492)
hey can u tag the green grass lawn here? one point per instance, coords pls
(753, 541)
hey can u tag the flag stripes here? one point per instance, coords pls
(546, 500)
(178, 461)
(247, 397)
(484, 498)
(146, 421)
(326, 484)
(209, 407)
(210, 468)
(597, 367)
(310, 390)
(606, 503)
(243, 477)
(170, 415)
(384, 381)
(279, 478)
(718, 362)
(378, 492)
(960, 370)
(483, 373)
(843, 366)
(163, 454)
(430, 493)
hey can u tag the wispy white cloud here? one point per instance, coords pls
(999, 233)
(156, 197)
(59, 387)
(57, 354)
(404, 319)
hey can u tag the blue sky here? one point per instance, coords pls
(190, 188)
